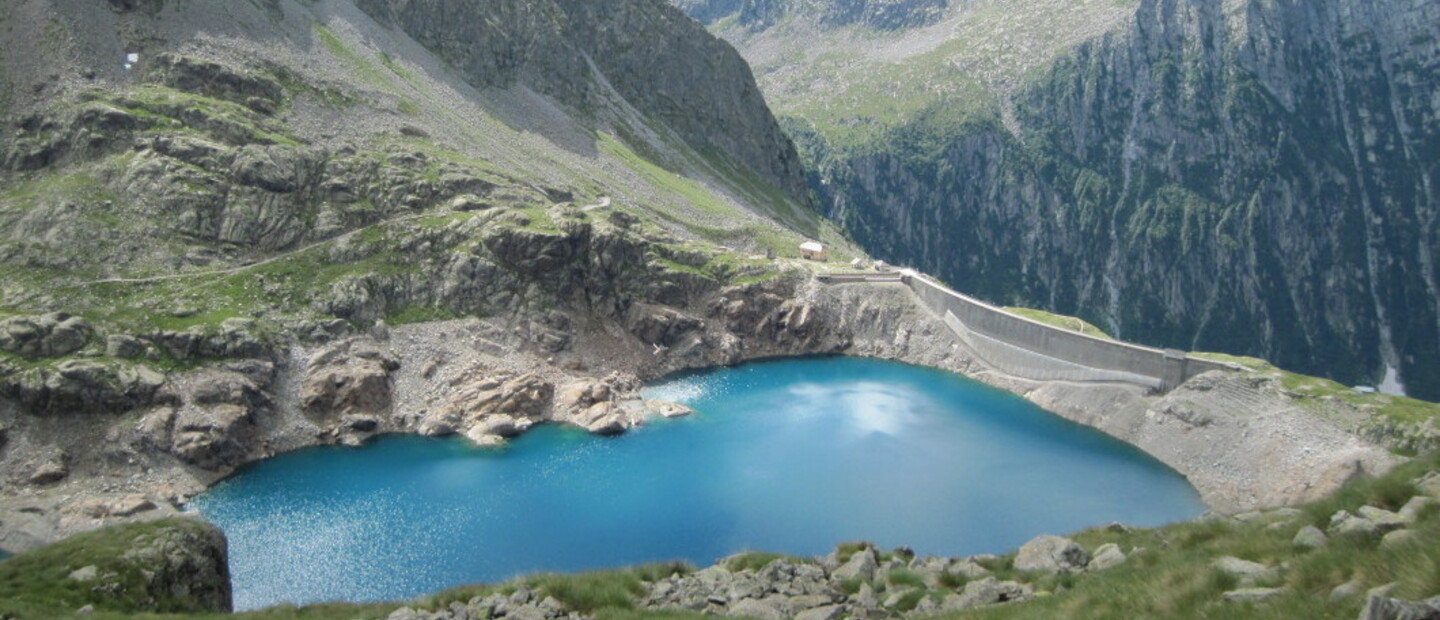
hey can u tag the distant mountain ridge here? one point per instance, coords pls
(1251, 176)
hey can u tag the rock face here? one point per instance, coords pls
(49, 335)
(579, 51)
(1287, 213)
(878, 14)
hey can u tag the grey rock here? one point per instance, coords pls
(49, 335)
(1384, 608)
(828, 612)
(1310, 537)
(754, 609)
(1398, 538)
(866, 596)
(989, 591)
(1253, 594)
(1429, 484)
(861, 565)
(1346, 590)
(124, 347)
(50, 472)
(1412, 508)
(84, 573)
(1106, 556)
(1385, 520)
(1051, 554)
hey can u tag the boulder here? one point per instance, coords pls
(1253, 594)
(667, 409)
(1398, 538)
(1370, 521)
(1385, 520)
(1429, 484)
(1249, 573)
(990, 591)
(50, 471)
(1051, 554)
(1310, 537)
(1410, 512)
(752, 608)
(861, 565)
(1106, 556)
(1384, 608)
(828, 612)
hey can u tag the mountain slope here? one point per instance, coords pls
(1248, 176)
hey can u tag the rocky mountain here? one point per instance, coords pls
(1245, 176)
(204, 204)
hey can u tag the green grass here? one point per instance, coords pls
(611, 589)
(754, 560)
(359, 65)
(38, 579)
(1174, 576)
(1314, 392)
(904, 577)
(1071, 323)
(680, 189)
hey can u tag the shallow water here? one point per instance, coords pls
(791, 456)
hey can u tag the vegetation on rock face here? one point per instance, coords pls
(1203, 175)
(170, 566)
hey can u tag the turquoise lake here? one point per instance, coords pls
(792, 456)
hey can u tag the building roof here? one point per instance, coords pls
(812, 246)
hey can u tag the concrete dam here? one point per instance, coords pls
(1033, 350)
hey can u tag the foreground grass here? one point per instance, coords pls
(1174, 576)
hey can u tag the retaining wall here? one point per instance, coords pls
(1035, 350)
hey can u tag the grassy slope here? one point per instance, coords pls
(855, 87)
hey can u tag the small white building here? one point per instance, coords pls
(812, 250)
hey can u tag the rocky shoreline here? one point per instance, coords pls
(1235, 436)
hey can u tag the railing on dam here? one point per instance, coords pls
(1034, 350)
(1048, 352)
(879, 276)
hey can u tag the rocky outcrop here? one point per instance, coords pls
(349, 379)
(168, 566)
(211, 418)
(49, 335)
(78, 386)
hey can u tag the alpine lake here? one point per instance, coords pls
(790, 456)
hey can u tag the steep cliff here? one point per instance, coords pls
(1253, 177)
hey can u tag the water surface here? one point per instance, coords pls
(791, 456)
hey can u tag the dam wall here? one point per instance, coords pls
(1034, 350)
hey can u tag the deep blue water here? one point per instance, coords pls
(791, 456)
